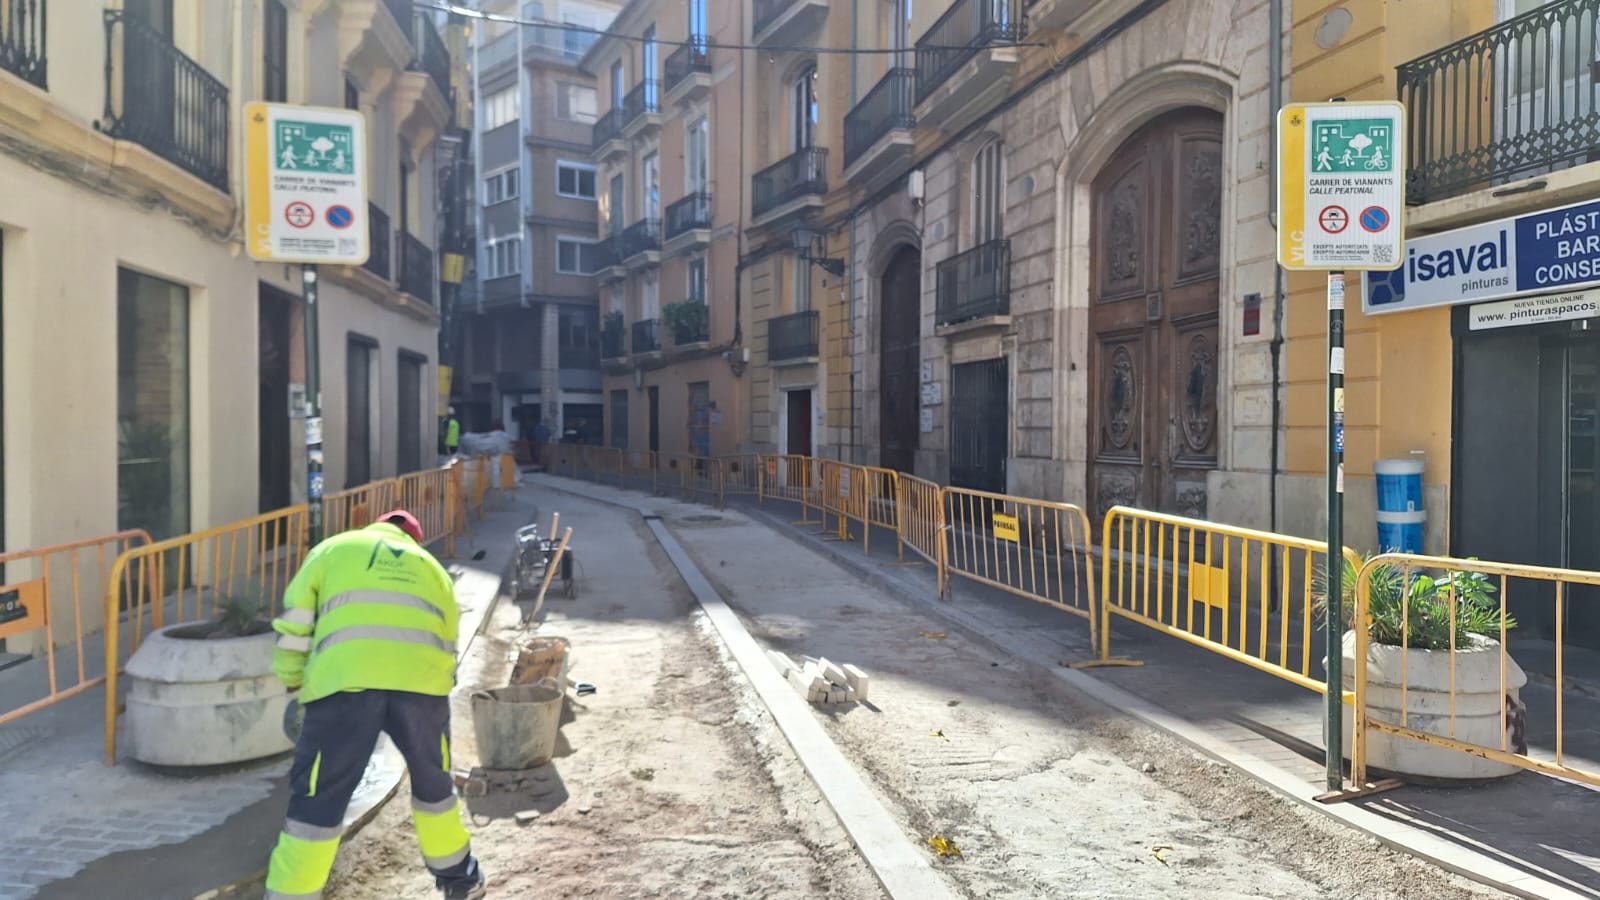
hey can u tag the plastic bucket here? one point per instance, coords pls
(516, 726)
(1401, 531)
(1399, 485)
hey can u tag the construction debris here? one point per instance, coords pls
(821, 681)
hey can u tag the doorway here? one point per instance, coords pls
(900, 360)
(979, 402)
(797, 423)
(274, 310)
(653, 426)
(408, 419)
(1153, 317)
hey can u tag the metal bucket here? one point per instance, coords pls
(516, 726)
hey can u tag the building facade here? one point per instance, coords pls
(530, 348)
(149, 364)
(667, 154)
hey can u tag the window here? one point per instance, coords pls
(152, 405)
(500, 108)
(614, 205)
(502, 257)
(618, 90)
(274, 52)
(803, 110)
(652, 68)
(358, 411)
(574, 256)
(579, 340)
(697, 22)
(501, 186)
(697, 166)
(988, 201)
(649, 297)
(619, 419)
(408, 443)
(576, 180)
(577, 102)
(900, 32)
(651, 186)
(697, 279)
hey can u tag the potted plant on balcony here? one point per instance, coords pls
(687, 320)
(1409, 622)
(204, 693)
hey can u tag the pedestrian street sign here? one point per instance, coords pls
(1341, 186)
(305, 184)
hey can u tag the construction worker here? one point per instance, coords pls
(452, 433)
(367, 642)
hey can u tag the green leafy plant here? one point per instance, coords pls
(237, 615)
(1416, 611)
(687, 319)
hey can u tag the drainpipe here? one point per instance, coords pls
(1275, 95)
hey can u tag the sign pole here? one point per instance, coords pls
(313, 407)
(1335, 556)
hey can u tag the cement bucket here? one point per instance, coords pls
(516, 726)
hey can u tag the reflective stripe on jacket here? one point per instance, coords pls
(368, 610)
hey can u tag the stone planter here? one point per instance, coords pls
(198, 702)
(1427, 699)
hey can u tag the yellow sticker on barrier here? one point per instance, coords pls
(22, 608)
(1005, 527)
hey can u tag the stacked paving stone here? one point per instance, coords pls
(821, 681)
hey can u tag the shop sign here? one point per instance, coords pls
(1534, 310)
(1543, 252)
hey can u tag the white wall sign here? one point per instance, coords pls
(1341, 192)
(305, 188)
(1534, 310)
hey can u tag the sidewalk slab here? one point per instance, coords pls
(77, 828)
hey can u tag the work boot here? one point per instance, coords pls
(468, 892)
(469, 885)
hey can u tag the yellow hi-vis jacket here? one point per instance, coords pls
(368, 610)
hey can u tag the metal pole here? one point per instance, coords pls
(1335, 563)
(313, 408)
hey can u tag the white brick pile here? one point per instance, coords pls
(821, 681)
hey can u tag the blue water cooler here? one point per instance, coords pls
(1401, 515)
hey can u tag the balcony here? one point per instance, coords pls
(877, 133)
(688, 73)
(792, 339)
(169, 104)
(688, 224)
(690, 323)
(646, 339)
(786, 22)
(792, 186)
(380, 240)
(608, 259)
(416, 268)
(973, 289)
(965, 61)
(433, 59)
(374, 37)
(608, 142)
(1510, 103)
(540, 43)
(22, 41)
(641, 110)
(641, 244)
(612, 338)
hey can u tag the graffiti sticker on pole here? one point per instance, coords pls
(1333, 158)
(305, 184)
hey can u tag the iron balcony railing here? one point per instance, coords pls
(580, 356)
(22, 39)
(769, 11)
(974, 285)
(693, 328)
(688, 214)
(608, 127)
(432, 56)
(792, 337)
(642, 236)
(611, 343)
(645, 98)
(966, 27)
(170, 105)
(401, 10)
(416, 268)
(608, 253)
(799, 174)
(887, 107)
(381, 241)
(1512, 102)
(685, 61)
(646, 336)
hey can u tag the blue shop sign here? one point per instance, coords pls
(1538, 253)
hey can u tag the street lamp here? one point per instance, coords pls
(805, 239)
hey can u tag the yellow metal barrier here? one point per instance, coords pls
(844, 492)
(702, 478)
(435, 497)
(357, 507)
(47, 584)
(740, 476)
(508, 471)
(640, 465)
(1032, 548)
(188, 578)
(1215, 586)
(921, 519)
(880, 505)
(1394, 572)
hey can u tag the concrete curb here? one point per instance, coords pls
(1480, 867)
(900, 867)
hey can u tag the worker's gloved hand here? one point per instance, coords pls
(294, 718)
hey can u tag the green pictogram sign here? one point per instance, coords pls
(1351, 146)
(313, 147)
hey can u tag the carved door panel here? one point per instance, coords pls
(1153, 318)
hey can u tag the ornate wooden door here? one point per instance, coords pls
(1153, 317)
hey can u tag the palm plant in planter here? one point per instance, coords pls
(1433, 635)
(687, 320)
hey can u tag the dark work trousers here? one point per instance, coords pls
(339, 736)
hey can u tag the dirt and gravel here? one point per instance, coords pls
(671, 781)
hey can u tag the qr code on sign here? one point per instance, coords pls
(347, 245)
(1383, 254)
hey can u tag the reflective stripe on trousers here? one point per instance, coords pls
(441, 837)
